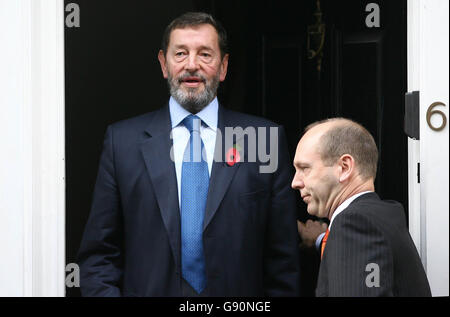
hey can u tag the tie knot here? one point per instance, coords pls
(324, 242)
(192, 123)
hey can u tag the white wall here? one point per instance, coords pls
(12, 151)
(428, 72)
(32, 148)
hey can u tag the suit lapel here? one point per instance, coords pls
(161, 169)
(221, 173)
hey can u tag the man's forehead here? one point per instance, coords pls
(311, 139)
(309, 145)
(186, 34)
(304, 152)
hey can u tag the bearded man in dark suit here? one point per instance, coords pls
(178, 208)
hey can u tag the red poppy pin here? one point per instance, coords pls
(233, 156)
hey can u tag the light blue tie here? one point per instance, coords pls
(194, 191)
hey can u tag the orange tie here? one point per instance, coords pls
(324, 242)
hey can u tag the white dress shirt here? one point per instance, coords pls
(180, 134)
(344, 205)
(338, 210)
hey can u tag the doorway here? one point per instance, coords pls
(112, 73)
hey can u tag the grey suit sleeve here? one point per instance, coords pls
(359, 258)
(100, 252)
(281, 262)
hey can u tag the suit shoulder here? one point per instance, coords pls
(374, 204)
(378, 214)
(133, 129)
(377, 208)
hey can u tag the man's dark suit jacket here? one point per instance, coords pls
(370, 231)
(131, 244)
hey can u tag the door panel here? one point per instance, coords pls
(112, 73)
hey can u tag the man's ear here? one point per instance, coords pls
(347, 167)
(224, 67)
(162, 61)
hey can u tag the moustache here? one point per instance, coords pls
(191, 78)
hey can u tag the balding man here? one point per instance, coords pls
(367, 250)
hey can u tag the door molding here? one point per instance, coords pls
(415, 216)
(33, 102)
(428, 50)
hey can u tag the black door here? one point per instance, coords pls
(112, 73)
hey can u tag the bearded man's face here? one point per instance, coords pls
(193, 66)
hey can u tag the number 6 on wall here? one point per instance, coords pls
(432, 112)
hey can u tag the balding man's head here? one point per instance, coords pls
(335, 159)
(341, 136)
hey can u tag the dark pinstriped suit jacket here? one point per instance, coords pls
(368, 238)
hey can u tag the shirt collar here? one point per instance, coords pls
(208, 114)
(344, 205)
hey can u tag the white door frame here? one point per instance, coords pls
(428, 73)
(32, 168)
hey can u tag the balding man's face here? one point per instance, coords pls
(316, 182)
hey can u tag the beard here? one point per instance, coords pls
(193, 99)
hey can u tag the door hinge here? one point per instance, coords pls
(418, 173)
(412, 110)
